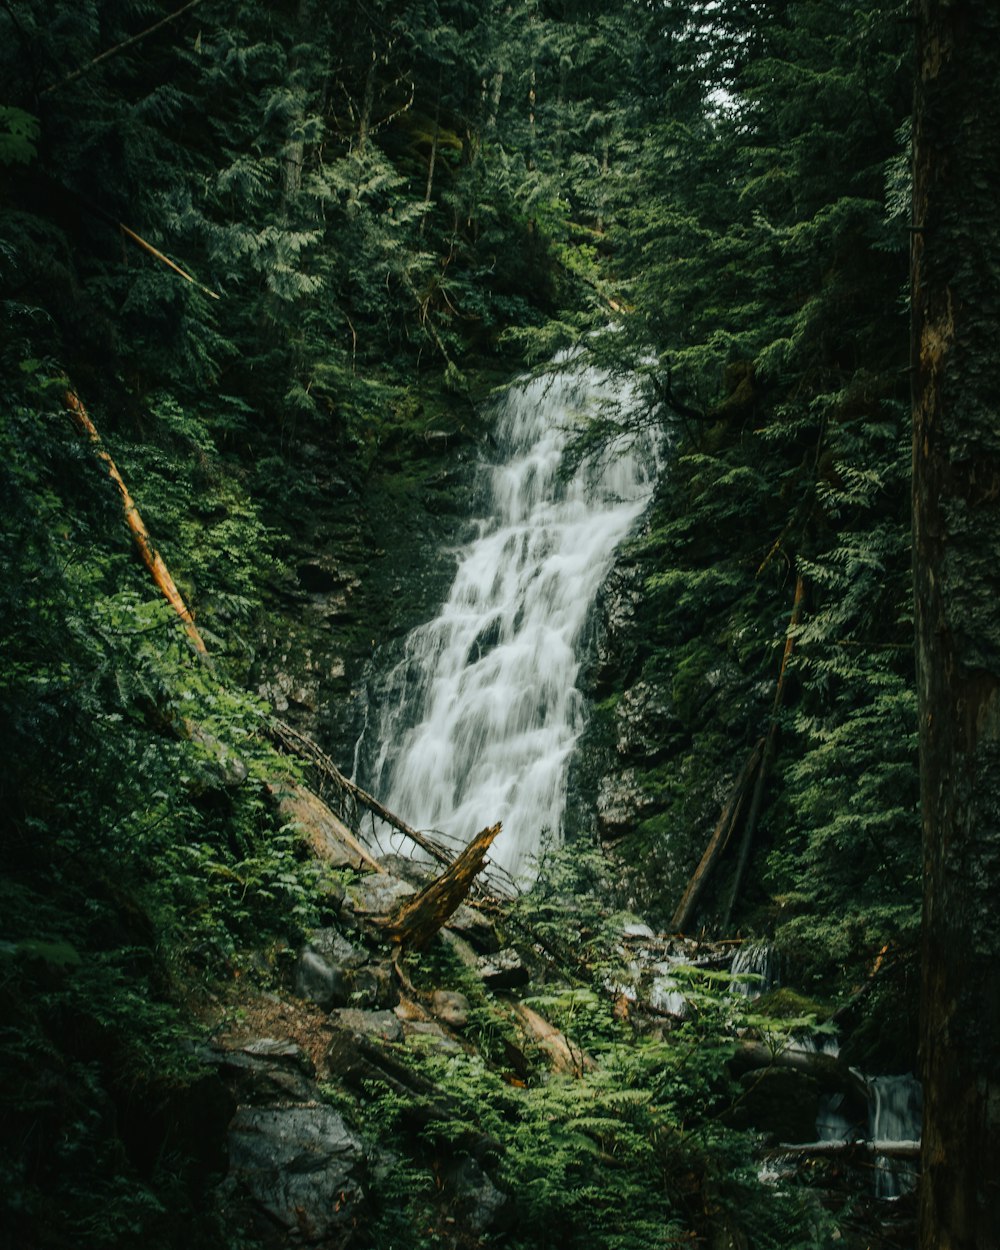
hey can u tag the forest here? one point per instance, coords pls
(280, 284)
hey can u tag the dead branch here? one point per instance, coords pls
(158, 255)
(150, 556)
(120, 47)
(417, 919)
(305, 748)
(769, 745)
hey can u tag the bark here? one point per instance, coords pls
(417, 919)
(150, 556)
(955, 275)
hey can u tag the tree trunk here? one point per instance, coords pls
(956, 539)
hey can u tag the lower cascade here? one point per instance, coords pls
(478, 720)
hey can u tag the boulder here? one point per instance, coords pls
(451, 1008)
(476, 928)
(302, 1165)
(376, 1024)
(320, 981)
(378, 895)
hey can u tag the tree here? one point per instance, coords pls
(956, 483)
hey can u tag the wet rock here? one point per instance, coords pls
(476, 1204)
(503, 971)
(621, 803)
(302, 1165)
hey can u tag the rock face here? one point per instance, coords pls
(301, 1164)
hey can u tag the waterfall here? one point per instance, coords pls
(478, 720)
(894, 1116)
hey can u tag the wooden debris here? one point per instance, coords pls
(328, 837)
(418, 918)
(150, 556)
(298, 744)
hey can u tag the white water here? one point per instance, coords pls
(481, 715)
(894, 1116)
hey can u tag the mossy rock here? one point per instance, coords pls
(788, 1004)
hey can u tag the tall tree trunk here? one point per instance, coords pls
(956, 519)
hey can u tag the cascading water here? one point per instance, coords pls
(479, 719)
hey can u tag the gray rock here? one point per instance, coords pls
(373, 987)
(301, 1164)
(477, 929)
(320, 981)
(461, 948)
(450, 1008)
(380, 1024)
(280, 1049)
(430, 1035)
(332, 946)
(378, 894)
(476, 1203)
(504, 970)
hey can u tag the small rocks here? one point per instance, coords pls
(503, 971)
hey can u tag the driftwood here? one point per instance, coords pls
(150, 556)
(417, 919)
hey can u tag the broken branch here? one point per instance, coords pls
(150, 556)
(417, 919)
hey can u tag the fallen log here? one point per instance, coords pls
(831, 1073)
(298, 744)
(419, 918)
